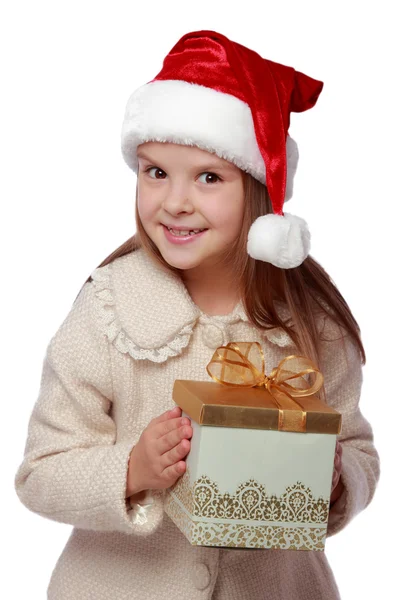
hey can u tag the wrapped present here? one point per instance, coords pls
(259, 471)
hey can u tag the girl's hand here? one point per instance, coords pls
(336, 489)
(156, 461)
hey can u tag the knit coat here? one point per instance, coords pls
(108, 370)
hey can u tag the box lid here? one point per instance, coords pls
(210, 403)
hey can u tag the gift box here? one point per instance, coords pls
(259, 471)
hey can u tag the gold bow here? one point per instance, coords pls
(242, 364)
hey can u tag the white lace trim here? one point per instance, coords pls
(278, 336)
(275, 335)
(112, 326)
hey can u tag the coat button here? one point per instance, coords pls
(213, 336)
(201, 576)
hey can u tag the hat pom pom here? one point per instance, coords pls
(283, 241)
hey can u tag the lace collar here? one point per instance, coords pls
(134, 285)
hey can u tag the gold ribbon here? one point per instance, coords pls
(243, 364)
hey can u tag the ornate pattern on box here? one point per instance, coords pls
(234, 535)
(250, 501)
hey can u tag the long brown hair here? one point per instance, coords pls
(302, 290)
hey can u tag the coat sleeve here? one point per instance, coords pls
(342, 369)
(74, 468)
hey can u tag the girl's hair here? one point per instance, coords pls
(304, 290)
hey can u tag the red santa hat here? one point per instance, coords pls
(222, 97)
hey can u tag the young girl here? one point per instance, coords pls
(214, 260)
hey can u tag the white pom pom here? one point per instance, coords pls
(283, 241)
(292, 159)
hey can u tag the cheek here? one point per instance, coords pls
(145, 208)
(229, 216)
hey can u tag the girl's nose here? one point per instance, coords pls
(176, 203)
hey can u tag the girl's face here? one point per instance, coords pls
(185, 188)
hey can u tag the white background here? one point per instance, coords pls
(68, 69)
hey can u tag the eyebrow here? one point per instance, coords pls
(208, 165)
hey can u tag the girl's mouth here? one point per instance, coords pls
(182, 237)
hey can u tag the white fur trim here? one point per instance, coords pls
(283, 241)
(194, 115)
(292, 159)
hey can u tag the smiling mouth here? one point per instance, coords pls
(184, 232)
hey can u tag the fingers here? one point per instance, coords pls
(174, 471)
(335, 480)
(172, 444)
(176, 454)
(338, 460)
(175, 412)
(337, 465)
(161, 448)
(165, 427)
(172, 438)
(338, 456)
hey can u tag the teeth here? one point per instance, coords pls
(183, 233)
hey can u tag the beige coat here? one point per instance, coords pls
(108, 370)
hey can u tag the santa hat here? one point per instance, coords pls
(225, 98)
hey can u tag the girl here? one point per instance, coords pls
(214, 260)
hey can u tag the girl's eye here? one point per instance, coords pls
(208, 174)
(157, 170)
